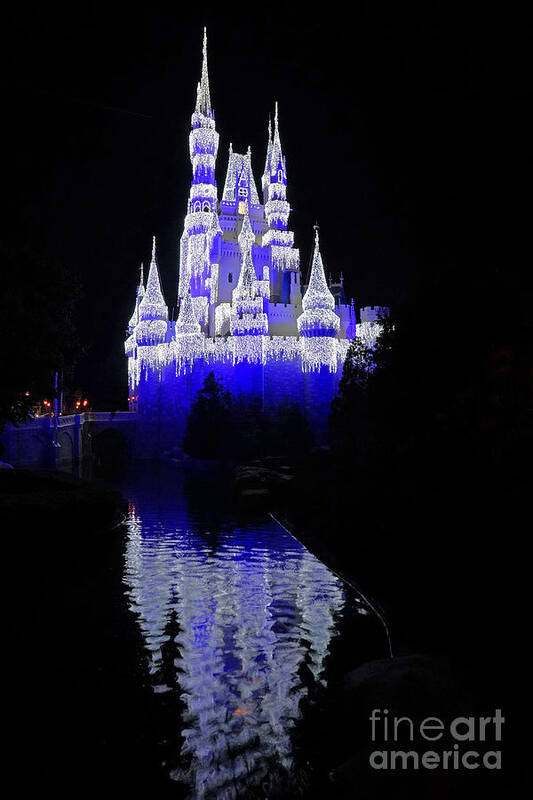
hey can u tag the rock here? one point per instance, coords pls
(253, 499)
(251, 474)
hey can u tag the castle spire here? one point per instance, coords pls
(246, 236)
(203, 99)
(317, 294)
(318, 318)
(246, 284)
(276, 161)
(153, 304)
(277, 208)
(247, 313)
(187, 322)
(239, 176)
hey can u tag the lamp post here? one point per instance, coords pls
(56, 411)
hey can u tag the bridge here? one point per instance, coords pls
(50, 442)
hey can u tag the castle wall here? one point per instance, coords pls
(282, 319)
(347, 321)
(165, 398)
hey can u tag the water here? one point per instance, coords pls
(239, 621)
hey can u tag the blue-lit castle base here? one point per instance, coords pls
(165, 398)
(243, 311)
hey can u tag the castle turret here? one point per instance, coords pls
(187, 322)
(134, 319)
(189, 339)
(318, 317)
(284, 258)
(276, 207)
(247, 315)
(318, 324)
(203, 142)
(153, 312)
(195, 250)
(239, 185)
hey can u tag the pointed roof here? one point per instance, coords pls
(203, 99)
(187, 322)
(153, 304)
(317, 294)
(236, 164)
(276, 158)
(246, 236)
(246, 287)
(139, 296)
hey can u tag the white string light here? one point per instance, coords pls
(214, 326)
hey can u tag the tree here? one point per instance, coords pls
(36, 329)
(349, 418)
(208, 430)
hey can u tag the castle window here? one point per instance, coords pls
(230, 277)
(280, 176)
(197, 206)
(243, 192)
(207, 207)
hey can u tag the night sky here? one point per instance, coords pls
(397, 125)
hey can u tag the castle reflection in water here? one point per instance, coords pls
(229, 613)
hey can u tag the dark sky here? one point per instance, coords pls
(393, 122)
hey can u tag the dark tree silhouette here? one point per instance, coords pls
(238, 428)
(430, 453)
(207, 434)
(36, 329)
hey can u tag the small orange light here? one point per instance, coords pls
(85, 402)
(240, 711)
(27, 394)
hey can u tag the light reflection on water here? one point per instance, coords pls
(244, 606)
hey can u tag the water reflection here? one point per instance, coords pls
(230, 612)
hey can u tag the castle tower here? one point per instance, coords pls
(189, 340)
(276, 207)
(239, 186)
(153, 312)
(318, 324)
(285, 259)
(247, 317)
(198, 274)
(131, 345)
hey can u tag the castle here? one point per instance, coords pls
(243, 311)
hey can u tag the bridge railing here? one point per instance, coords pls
(45, 441)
